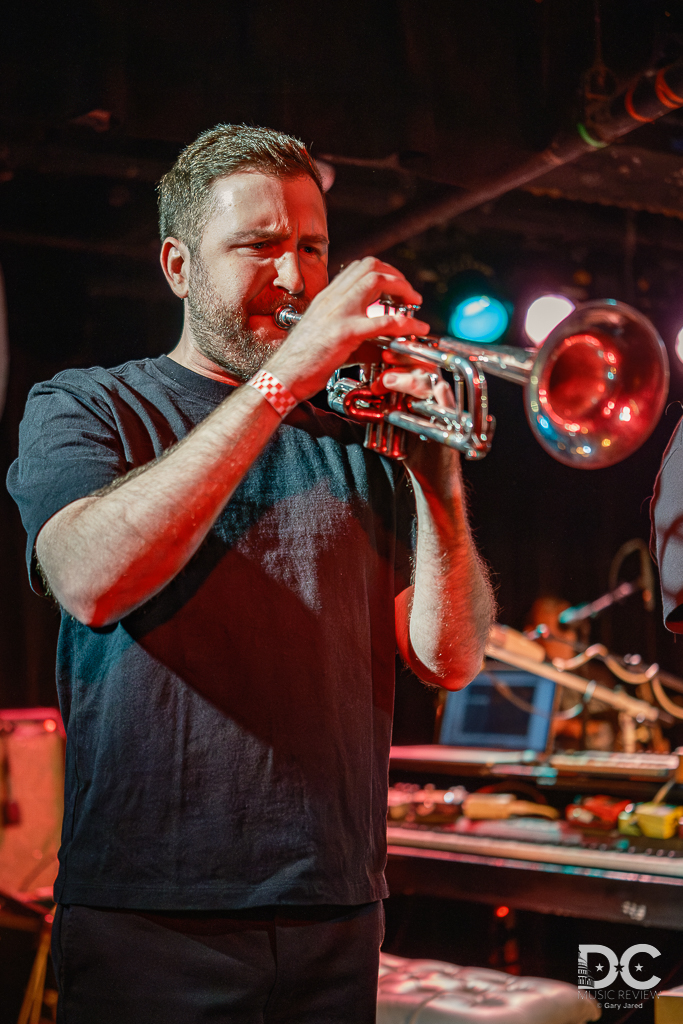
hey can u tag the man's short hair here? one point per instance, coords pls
(185, 196)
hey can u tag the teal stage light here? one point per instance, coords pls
(479, 318)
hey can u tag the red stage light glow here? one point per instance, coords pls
(502, 911)
(49, 725)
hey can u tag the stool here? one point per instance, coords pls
(36, 994)
(434, 992)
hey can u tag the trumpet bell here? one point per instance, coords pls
(598, 385)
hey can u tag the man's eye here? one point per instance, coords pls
(258, 245)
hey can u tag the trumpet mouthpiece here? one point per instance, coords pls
(286, 317)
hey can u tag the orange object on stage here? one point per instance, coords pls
(31, 789)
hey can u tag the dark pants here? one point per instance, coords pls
(317, 966)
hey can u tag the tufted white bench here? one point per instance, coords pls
(434, 992)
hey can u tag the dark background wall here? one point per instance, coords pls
(405, 100)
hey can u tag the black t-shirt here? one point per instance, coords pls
(228, 741)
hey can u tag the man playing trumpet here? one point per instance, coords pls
(232, 568)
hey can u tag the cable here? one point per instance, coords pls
(646, 579)
(668, 705)
(504, 690)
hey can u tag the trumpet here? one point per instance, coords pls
(593, 392)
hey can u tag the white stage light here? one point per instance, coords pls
(679, 344)
(544, 314)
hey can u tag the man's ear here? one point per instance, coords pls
(175, 263)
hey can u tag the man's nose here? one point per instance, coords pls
(289, 274)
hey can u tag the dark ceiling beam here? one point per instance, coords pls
(625, 176)
(77, 163)
(145, 253)
(551, 222)
(653, 95)
(4, 344)
(534, 219)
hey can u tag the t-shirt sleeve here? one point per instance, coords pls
(68, 448)
(666, 512)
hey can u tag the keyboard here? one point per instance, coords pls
(598, 762)
(661, 863)
(461, 755)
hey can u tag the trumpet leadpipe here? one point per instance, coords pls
(446, 353)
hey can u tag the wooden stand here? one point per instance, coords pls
(35, 990)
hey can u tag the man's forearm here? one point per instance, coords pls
(106, 554)
(444, 619)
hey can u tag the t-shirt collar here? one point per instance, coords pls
(205, 387)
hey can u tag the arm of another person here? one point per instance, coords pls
(443, 620)
(106, 554)
(666, 540)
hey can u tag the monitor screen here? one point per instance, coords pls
(482, 715)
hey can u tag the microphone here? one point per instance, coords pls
(592, 608)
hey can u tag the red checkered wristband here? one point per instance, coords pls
(274, 391)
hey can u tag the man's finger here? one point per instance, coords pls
(416, 383)
(398, 359)
(443, 395)
(374, 279)
(395, 326)
(419, 384)
(370, 264)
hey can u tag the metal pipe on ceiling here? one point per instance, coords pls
(653, 94)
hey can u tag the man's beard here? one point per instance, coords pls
(220, 331)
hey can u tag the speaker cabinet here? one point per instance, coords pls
(31, 800)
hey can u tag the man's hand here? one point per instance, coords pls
(428, 461)
(336, 324)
